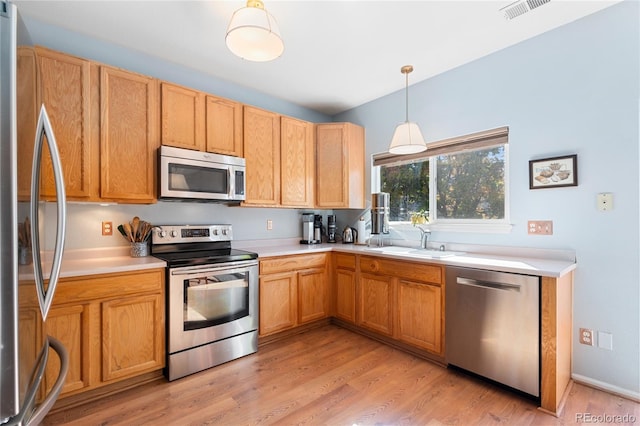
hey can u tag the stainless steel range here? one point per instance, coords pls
(212, 297)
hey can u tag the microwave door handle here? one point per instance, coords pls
(230, 184)
(45, 297)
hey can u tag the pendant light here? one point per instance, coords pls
(407, 138)
(253, 33)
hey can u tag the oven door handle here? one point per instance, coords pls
(208, 269)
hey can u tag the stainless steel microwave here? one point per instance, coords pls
(185, 174)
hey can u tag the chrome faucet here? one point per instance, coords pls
(424, 237)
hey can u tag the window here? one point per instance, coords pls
(456, 182)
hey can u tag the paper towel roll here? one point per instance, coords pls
(362, 231)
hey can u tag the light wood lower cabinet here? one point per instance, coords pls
(402, 300)
(375, 303)
(345, 287)
(112, 326)
(420, 315)
(293, 291)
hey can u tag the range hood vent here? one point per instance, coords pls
(521, 7)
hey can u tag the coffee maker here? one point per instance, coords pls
(331, 228)
(308, 222)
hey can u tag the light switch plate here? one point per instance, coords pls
(605, 201)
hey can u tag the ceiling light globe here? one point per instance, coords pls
(253, 34)
(407, 139)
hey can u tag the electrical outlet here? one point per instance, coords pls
(586, 336)
(540, 227)
(269, 224)
(107, 228)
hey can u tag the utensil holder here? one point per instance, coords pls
(139, 249)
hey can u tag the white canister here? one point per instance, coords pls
(362, 231)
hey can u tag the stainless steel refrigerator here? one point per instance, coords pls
(29, 265)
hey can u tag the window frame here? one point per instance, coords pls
(448, 147)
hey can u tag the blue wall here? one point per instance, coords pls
(574, 90)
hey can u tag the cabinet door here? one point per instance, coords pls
(420, 315)
(278, 302)
(346, 295)
(27, 117)
(224, 126)
(132, 336)
(312, 295)
(128, 135)
(297, 155)
(262, 154)
(70, 325)
(339, 166)
(65, 92)
(376, 303)
(182, 117)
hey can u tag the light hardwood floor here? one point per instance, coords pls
(331, 376)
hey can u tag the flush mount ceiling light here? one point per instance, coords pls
(407, 139)
(253, 33)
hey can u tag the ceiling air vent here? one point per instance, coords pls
(521, 7)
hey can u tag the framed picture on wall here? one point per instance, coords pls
(553, 172)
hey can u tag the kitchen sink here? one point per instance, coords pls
(413, 252)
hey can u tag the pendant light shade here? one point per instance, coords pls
(253, 33)
(407, 138)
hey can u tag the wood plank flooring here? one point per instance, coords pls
(331, 376)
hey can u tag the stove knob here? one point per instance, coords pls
(224, 231)
(174, 233)
(215, 232)
(162, 233)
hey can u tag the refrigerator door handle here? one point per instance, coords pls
(45, 296)
(43, 408)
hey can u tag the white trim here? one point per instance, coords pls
(607, 387)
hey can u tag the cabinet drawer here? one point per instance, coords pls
(401, 269)
(292, 263)
(111, 285)
(345, 261)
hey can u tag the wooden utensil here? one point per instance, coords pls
(135, 227)
(127, 229)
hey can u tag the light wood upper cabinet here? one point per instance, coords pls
(297, 168)
(262, 154)
(194, 120)
(128, 135)
(183, 124)
(65, 90)
(339, 166)
(224, 128)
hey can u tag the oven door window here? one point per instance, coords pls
(215, 299)
(185, 177)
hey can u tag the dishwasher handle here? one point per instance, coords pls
(487, 284)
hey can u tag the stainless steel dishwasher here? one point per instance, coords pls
(493, 326)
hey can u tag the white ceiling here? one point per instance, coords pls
(338, 54)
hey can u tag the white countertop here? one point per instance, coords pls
(550, 263)
(96, 261)
(526, 261)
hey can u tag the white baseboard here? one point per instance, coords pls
(626, 393)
